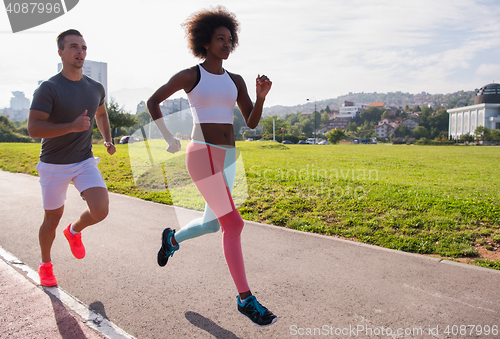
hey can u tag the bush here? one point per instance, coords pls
(9, 132)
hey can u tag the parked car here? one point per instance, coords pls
(302, 142)
(323, 142)
(287, 142)
(128, 139)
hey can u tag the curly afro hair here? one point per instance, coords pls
(200, 27)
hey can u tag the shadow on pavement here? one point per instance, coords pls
(208, 325)
(98, 307)
(68, 326)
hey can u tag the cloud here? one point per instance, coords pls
(488, 70)
(320, 48)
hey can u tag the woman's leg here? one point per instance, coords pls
(209, 223)
(206, 164)
(197, 227)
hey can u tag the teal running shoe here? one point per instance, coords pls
(257, 313)
(166, 249)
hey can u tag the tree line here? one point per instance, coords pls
(121, 122)
(432, 124)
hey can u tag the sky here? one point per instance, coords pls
(316, 49)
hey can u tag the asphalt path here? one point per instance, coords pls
(318, 286)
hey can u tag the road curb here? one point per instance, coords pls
(93, 320)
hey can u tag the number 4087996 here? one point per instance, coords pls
(33, 7)
(463, 330)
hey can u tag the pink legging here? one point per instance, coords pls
(205, 164)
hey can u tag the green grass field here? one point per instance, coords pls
(432, 200)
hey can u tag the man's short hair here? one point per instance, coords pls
(60, 37)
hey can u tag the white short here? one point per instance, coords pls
(55, 180)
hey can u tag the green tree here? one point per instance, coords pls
(467, 137)
(424, 117)
(143, 118)
(325, 118)
(402, 132)
(372, 114)
(295, 130)
(335, 135)
(293, 119)
(481, 133)
(306, 127)
(316, 119)
(247, 134)
(440, 120)
(420, 132)
(238, 121)
(9, 132)
(495, 135)
(267, 124)
(118, 117)
(352, 127)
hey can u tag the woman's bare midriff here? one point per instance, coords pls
(216, 134)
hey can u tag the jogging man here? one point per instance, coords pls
(62, 115)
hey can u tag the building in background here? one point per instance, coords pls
(350, 110)
(384, 130)
(170, 106)
(410, 123)
(95, 70)
(19, 107)
(380, 105)
(334, 123)
(485, 112)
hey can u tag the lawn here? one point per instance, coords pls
(434, 200)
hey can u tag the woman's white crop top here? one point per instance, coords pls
(213, 98)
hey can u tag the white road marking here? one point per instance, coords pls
(90, 318)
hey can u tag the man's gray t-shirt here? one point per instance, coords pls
(64, 100)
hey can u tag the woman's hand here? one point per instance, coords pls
(263, 85)
(174, 145)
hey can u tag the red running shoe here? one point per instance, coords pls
(47, 277)
(75, 243)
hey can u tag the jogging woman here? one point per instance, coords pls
(211, 155)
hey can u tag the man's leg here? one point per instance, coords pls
(47, 232)
(98, 207)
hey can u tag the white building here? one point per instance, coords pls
(350, 109)
(96, 70)
(410, 123)
(19, 107)
(384, 130)
(170, 106)
(485, 112)
(19, 101)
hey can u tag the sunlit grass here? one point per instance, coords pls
(421, 199)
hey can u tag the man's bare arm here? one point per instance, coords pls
(40, 127)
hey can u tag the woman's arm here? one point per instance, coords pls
(252, 113)
(183, 80)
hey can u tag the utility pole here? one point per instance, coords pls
(314, 117)
(274, 129)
